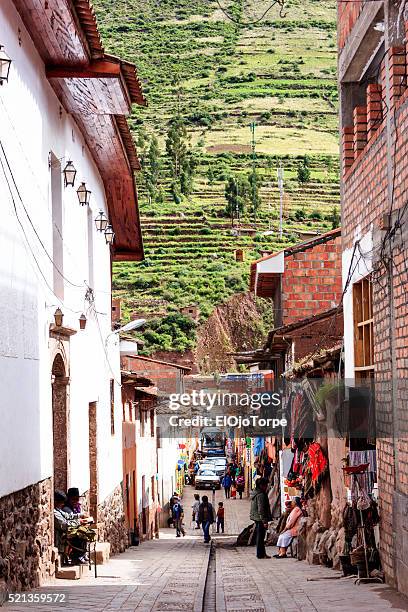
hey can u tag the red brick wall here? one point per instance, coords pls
(312, 281)
(164, 376)
(365, 201)
(308, 338)
(348, 13)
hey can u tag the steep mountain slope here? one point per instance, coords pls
(220, 77)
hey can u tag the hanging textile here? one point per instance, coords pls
(259, 445)
(317, 463)
(369, 478)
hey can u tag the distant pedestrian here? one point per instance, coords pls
(226, 483)
(206, 517)
(178, 515)
(220, 517)
(195, 507)
(261, 515)
(240, 484)
(233, 490)
(172, 501)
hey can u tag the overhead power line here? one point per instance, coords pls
(32, 224)
(280, 3)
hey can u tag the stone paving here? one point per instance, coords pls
(164, 575)
(169, 574)
(245, 583)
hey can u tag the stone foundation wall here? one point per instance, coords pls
(111, 516)
(26, 538)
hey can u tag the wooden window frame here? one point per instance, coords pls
(363, 328)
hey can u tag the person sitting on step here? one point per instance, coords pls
(71, 532)
(291, 528)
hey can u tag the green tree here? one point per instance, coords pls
(153, 167)
(335, 217)
(303, 170)
(176, 145)
(183, 159)
(189, 166)
(254, 184)
(237, 193)
(210, 175)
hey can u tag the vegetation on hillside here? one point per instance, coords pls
(207, 79)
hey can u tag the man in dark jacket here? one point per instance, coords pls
(226, 483)
(206, 517)
(261, 515)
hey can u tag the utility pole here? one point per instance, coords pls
(237, 207)
(280, 185)
(253, 147)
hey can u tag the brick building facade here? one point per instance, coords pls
(374, 122)
(302, 280)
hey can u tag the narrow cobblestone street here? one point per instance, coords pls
(172, 574)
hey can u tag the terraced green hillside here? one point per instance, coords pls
(219, 77)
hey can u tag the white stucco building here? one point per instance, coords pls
(65, 100)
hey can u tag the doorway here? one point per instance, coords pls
(144, 509)
(93, 461)
(60, 423)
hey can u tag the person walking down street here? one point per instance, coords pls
(220, 517)
(206, 517)
(226, 483)
(173, 499)
(178, 514)
(261, 515)
(195, 507)
(240, 484)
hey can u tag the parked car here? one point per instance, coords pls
(218, 465)
(219, 469)
(207, 479)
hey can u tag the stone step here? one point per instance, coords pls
(102, 553)
(73, 572)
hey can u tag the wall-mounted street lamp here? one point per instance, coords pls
(132, 325)
(84, 195)
(5, 63)
(109, 234)
(58, 317)
(101, 221)
(69, 173)
(82, 321)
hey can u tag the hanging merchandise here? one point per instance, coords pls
(317, 462)
(369, 457)
(359, 520)
(259, 445)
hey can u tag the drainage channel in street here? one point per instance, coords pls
(210, 594)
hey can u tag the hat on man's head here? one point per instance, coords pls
(73, 492)
(59, 496)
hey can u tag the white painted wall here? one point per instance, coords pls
(146, 463)
(168, 456)
(32, 123)
(270, 265)
(359, 265)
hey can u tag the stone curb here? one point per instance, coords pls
(219, 587)
(199, 597)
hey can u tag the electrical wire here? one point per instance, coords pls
(29, 248)
(44, 199)
(33, 226)
(280, 3)
(350, 274)
(94, 311)
(89, 295)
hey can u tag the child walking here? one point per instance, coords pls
(220, 517)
